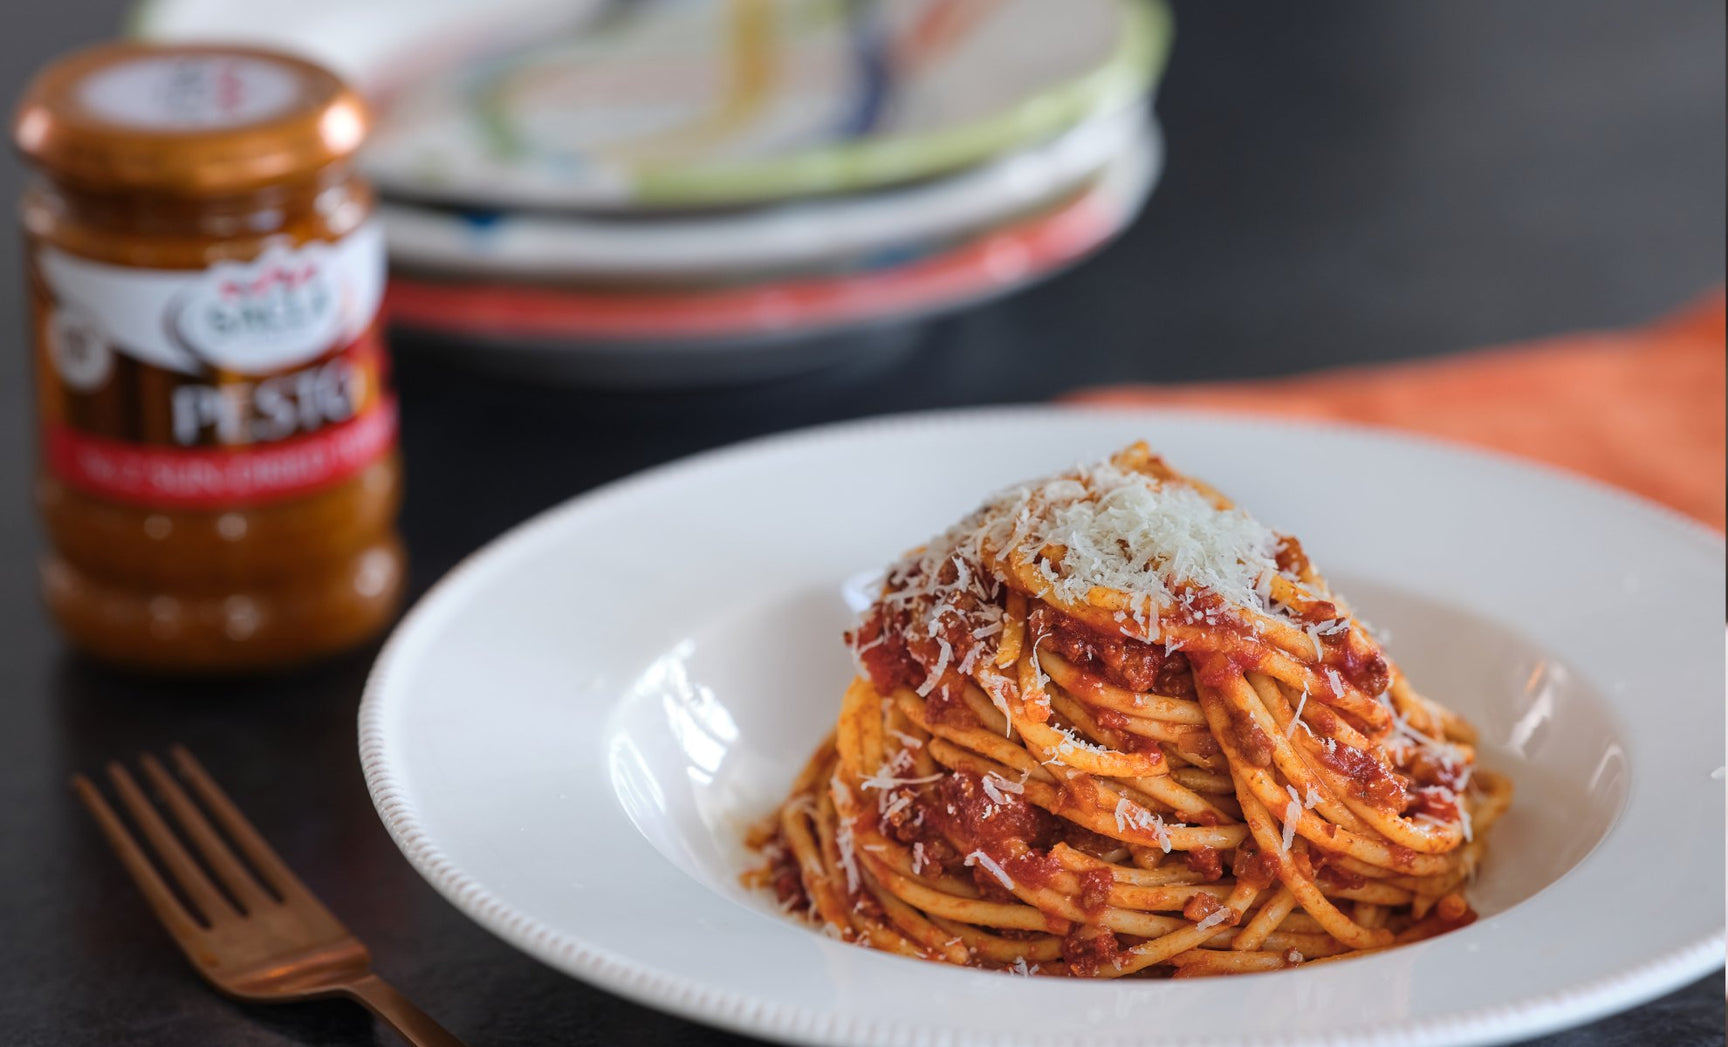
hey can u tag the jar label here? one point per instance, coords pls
(240, 383)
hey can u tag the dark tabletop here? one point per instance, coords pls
(1348, 182)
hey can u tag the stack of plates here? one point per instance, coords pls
(687, 191)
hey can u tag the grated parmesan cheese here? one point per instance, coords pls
(848, 860)
(1292, 818)
(1442, 750)
(1130, 814)
(1161, 544)
(883, 780)
(1153, 540)
(1071, 743)
(1296, 721)
(843, 835)
(890, 808)
(1129, 532)
(944, 652)
(962, 573)
(971, 659)
(993, 688)
(989, 865)
(1214, 918)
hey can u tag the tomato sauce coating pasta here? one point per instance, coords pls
(1109, 725)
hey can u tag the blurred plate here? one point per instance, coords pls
(686, 104)
(732, 334)
(799, 235)
(372, 43)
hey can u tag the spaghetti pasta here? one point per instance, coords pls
(1110, 725)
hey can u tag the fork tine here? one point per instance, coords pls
(185, 871)
(274, 871)
(168, 908)
(240, 883)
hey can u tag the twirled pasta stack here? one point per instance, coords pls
(1109, 724)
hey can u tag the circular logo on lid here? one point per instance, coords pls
(191, 92)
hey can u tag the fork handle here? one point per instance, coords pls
(395, 1010)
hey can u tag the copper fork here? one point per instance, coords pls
(264, 939)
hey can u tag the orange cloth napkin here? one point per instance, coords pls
(1642, 408)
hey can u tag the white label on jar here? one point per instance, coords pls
(189, 92)
(279, 310)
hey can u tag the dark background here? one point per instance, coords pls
(1348, 182)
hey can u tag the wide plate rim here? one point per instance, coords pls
(739, 1012)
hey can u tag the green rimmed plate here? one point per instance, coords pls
(687, 104)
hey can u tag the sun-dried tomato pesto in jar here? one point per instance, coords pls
(217, 433)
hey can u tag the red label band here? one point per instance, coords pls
(219, 477)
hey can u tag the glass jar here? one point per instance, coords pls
(217, 434)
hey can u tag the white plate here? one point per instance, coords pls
(596, 336)
(804, 234)
(568, 732)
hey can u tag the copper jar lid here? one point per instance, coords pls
(188, 119)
